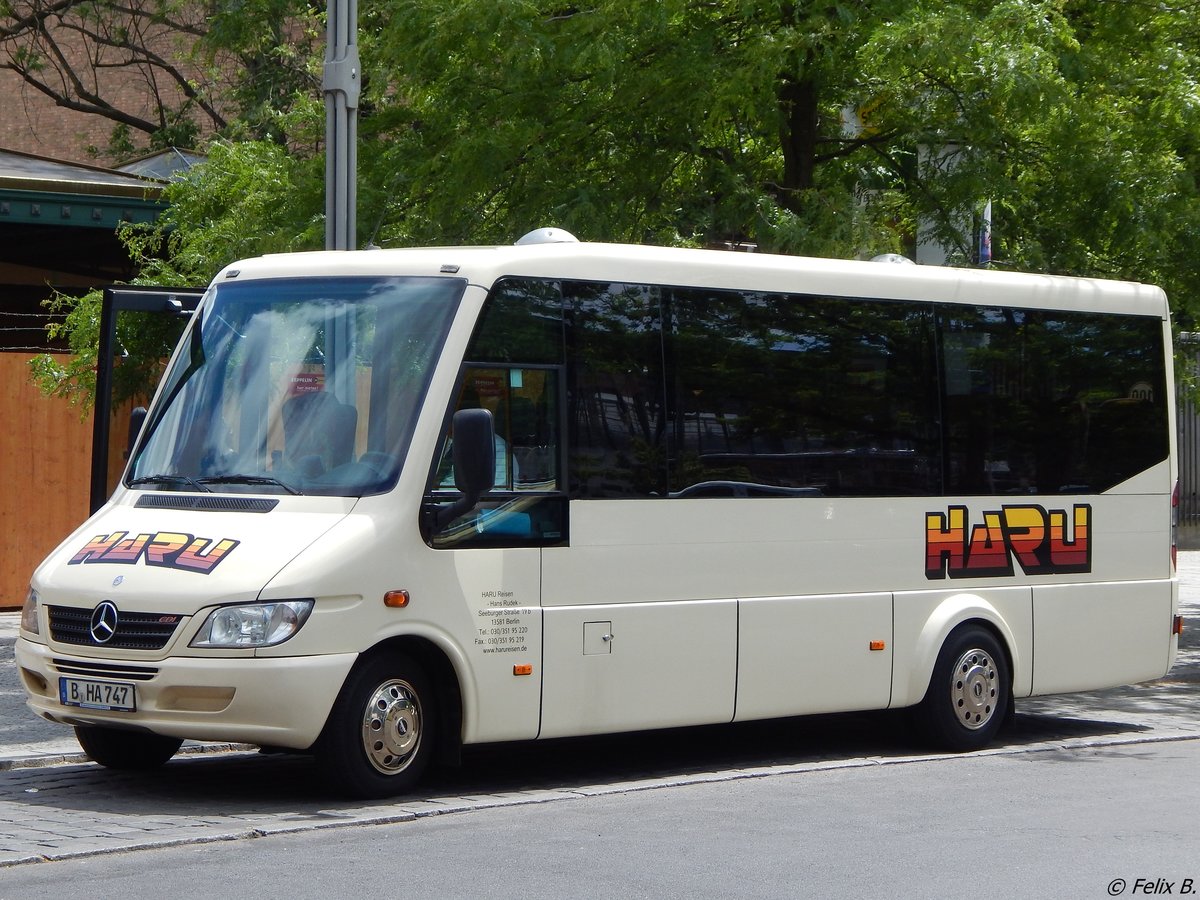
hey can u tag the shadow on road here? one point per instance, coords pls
(216, 787)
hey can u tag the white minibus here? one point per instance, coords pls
(391, 502)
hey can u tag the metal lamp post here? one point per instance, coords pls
(341, 84)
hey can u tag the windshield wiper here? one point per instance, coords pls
(247, 479)
(170, 479)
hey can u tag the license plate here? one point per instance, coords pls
(96, 694)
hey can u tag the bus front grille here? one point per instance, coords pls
(133, 630)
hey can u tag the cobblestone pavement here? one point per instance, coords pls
(55, 805)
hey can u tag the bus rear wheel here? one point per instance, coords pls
(380, 735)
(969, 694)
(115, 748)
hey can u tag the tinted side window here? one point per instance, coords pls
(521, 323)
(616, 419)
(514, 370)
(525, 505)
(1050, 402)
(690, 392)
(792, 395)
(524, 407)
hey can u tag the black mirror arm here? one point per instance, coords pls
(137, 418)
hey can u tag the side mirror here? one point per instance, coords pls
(474, 454)
(137, 418)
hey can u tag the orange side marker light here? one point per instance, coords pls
(523, 669)
(1177, 625)
(878, 645)
(396, 599)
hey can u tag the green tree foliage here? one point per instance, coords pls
(834, 128)
(671, 121)
(1077, 119)
(249, 198)
(831, 128)
(145, 341)
(246, 199)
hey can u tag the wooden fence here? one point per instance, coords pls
(45, 464)
(45, 472)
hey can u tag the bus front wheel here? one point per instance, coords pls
(969, 694)
(379, 737)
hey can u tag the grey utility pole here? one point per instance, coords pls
(341, 84)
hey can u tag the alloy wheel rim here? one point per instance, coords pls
(974, 689)
(391, 726)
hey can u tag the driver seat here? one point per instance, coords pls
(318, 432)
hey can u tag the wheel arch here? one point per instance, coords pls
(955, 612)
(438, 664)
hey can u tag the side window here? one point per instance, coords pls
(522, 323)
(524, 408)
(1126, 391)
(776, 395)
(616, 415)
(1050, 402)
(514, 371)
(526, 505)
(982, 383)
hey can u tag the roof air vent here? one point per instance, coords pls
(548, 236)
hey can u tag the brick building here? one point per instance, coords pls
(32, 123)
(103, 72)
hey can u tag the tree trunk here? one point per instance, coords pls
(797, 137)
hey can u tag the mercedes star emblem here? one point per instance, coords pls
(104, 622)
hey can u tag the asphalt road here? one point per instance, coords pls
(1062, 823)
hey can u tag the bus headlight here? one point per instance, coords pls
(29, 612)
(253, 625)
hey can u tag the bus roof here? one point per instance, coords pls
(718, 269)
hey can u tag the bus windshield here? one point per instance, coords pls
(297, 386)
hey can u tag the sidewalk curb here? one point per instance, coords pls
(58, 756)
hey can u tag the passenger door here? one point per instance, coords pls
(492, 553)
(634, 638)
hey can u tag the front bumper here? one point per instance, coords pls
(275, 701)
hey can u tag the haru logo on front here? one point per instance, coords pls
(104, 622)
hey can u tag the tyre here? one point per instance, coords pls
(114, 748)
(969, 694)
(380, 734)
